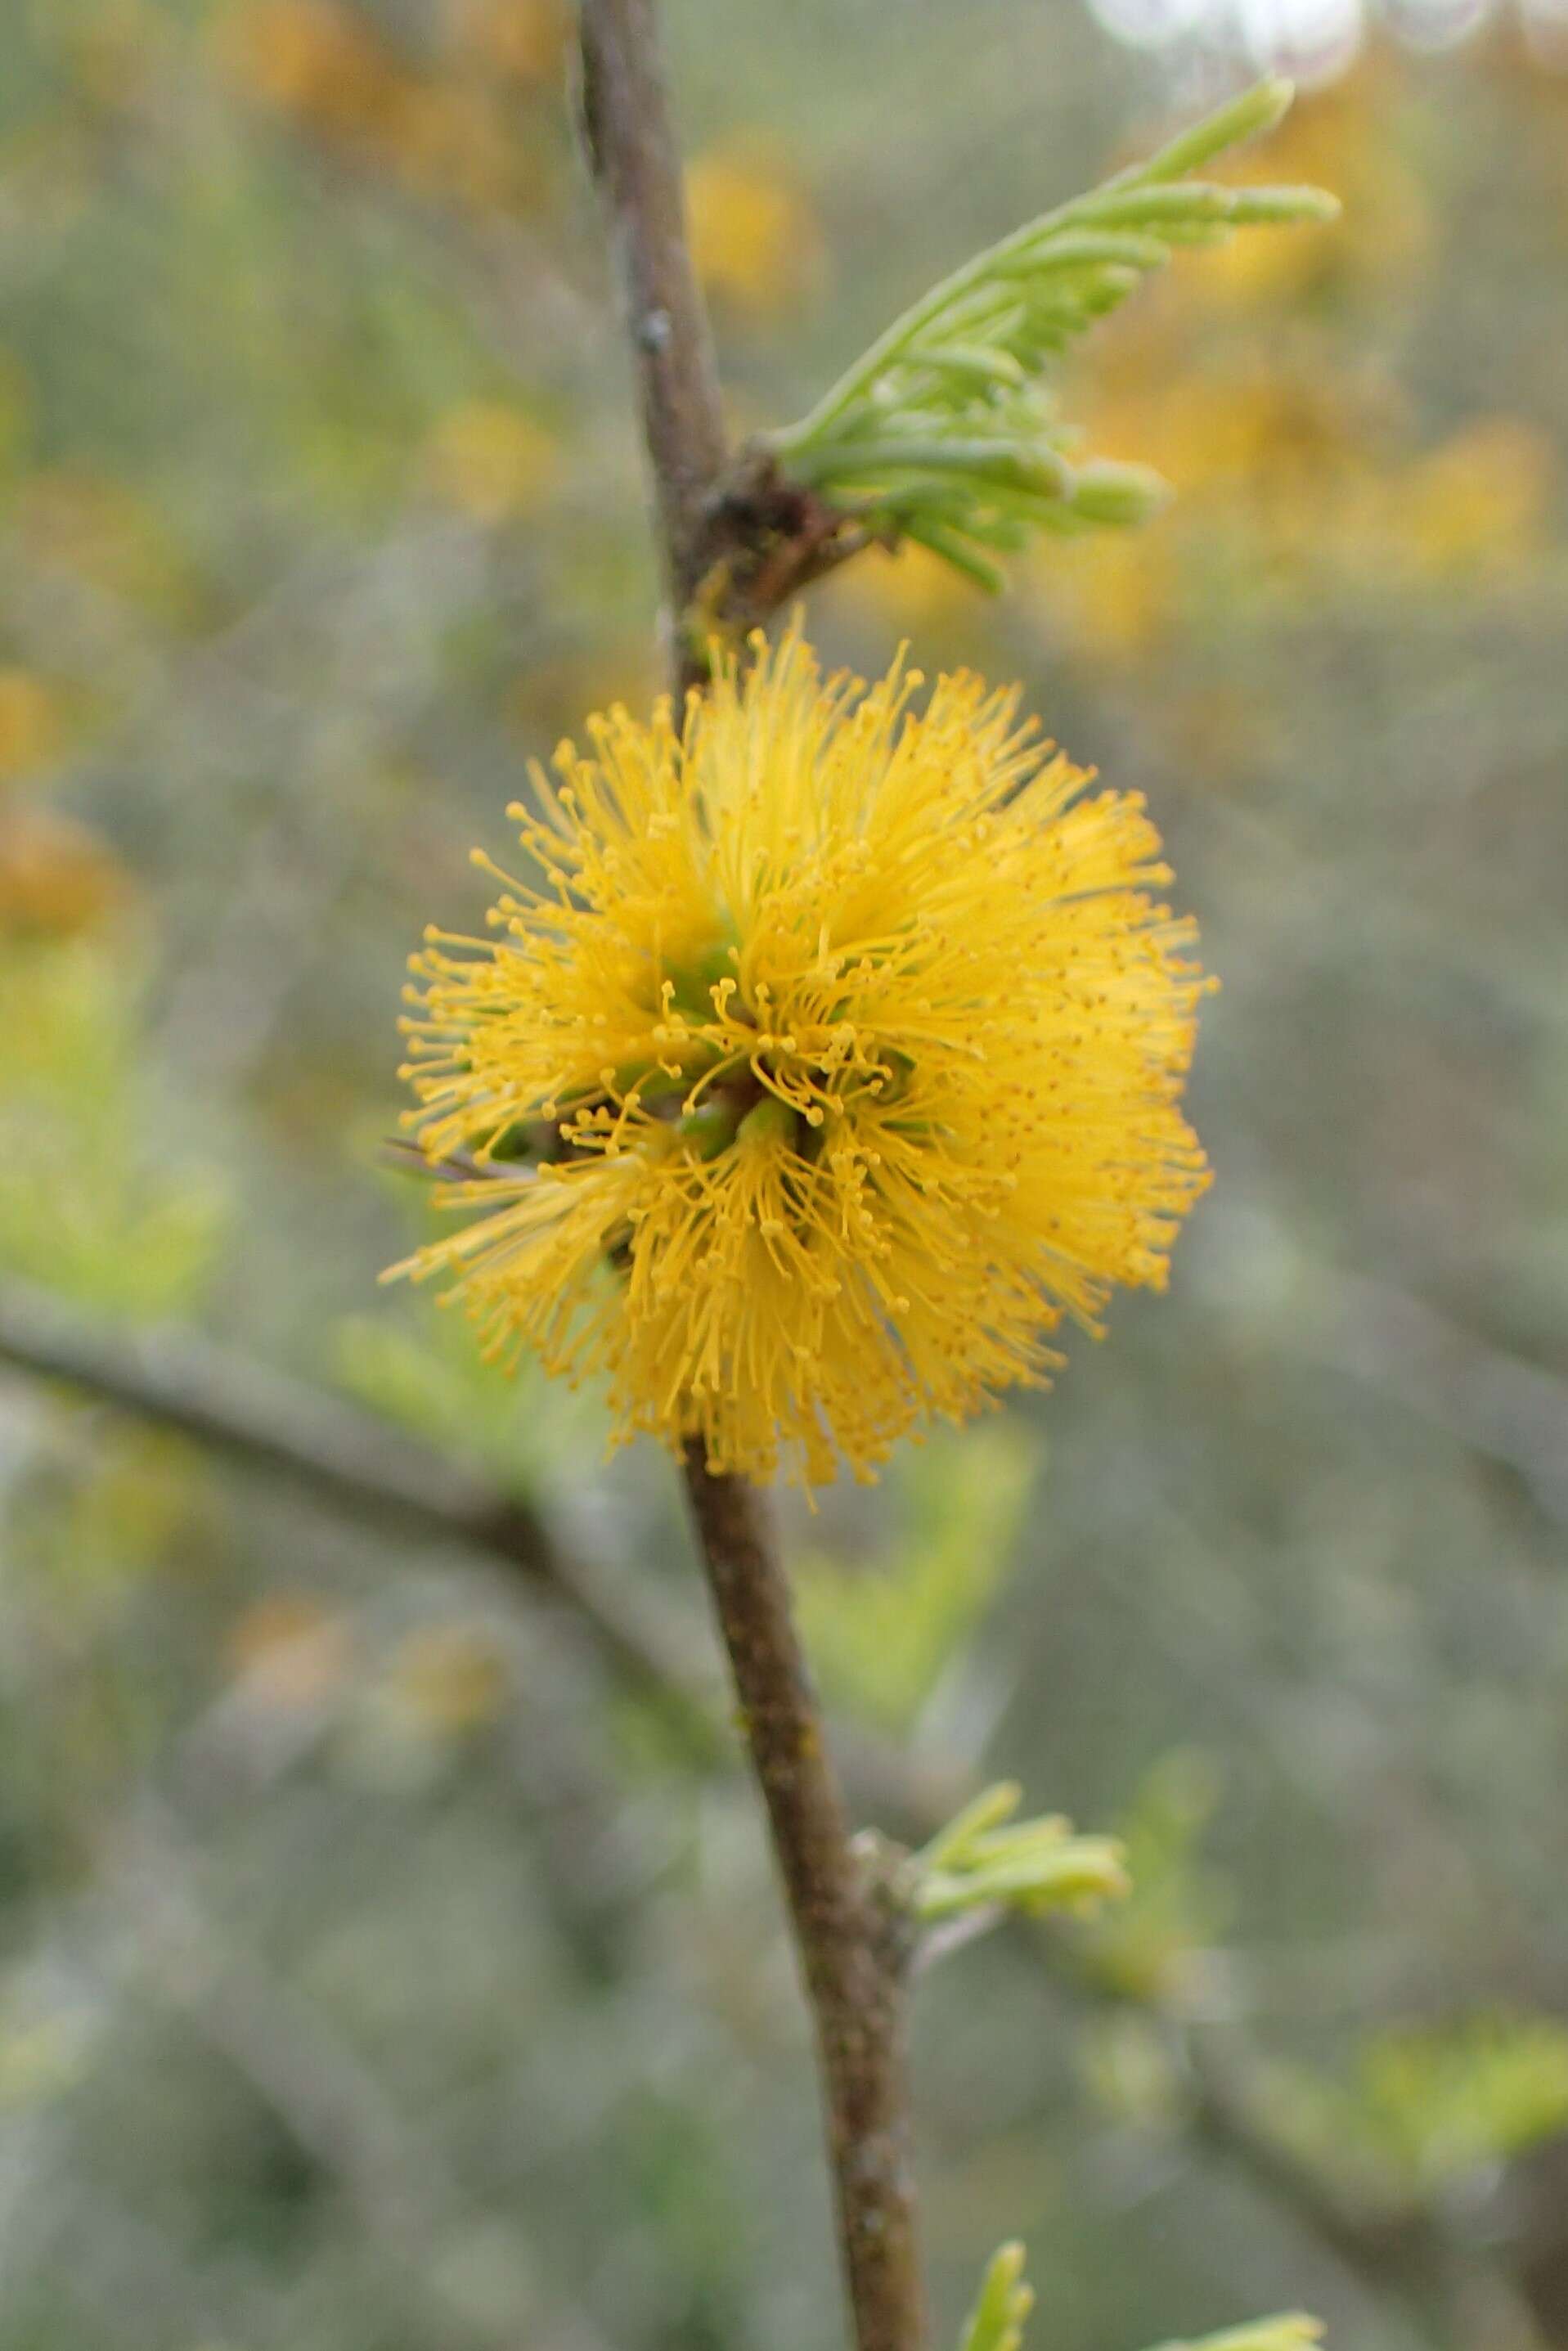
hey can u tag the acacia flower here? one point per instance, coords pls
(827, 1057)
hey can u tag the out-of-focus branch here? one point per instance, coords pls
(1381, 2248)
(265, 1421)
(356, 1465)
(1402, 2252)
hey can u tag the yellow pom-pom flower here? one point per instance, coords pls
(827, 1055)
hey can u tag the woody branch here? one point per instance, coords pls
(847, 1937)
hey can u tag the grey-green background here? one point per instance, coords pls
(376, 1973)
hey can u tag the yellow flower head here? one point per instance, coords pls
(844, 1041)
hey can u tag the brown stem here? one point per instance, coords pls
(736, 539)
(846, 1934)
(632, 156)
(852, 1952)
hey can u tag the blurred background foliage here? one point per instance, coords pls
(376, 1969)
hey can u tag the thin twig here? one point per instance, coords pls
(847, 1938)
(1455, 2294)
(265, 1421)
(851, 1948)
(632, 156)
(737, 538)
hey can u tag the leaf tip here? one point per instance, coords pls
(1275, 97)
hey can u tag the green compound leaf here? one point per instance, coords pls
(943, 431)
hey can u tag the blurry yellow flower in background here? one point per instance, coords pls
(290, 1649)
(524, 41)
(489, 460)
(1294, 481)
(450, 139)
(1481, 502)
(78, 520)
(114, 48)
(906, 585)
(754, 235)
(15, 413)
(1344, 137)
(1295, 456)
(30, 723)
(845, 1039)
(1464, 515)
(317, 60)
(1119, 596)
(440, 126)
(55, 876)
(449, 1678)
(1251, 428)
(1261, 454)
